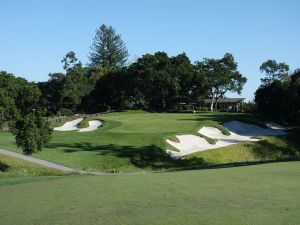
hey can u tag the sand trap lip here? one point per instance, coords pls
(254, 130)
(239, 132)
(275, 126)
(93, 125)
(74, 125)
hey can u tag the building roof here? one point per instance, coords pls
(223, 100)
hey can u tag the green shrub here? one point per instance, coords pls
(203, 109)
(66, 112)
(249, 107)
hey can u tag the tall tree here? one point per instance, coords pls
(51, 91)
(220, 76)
(273, 71)
(153, 80)
(18, 107)
(71, 62)
(183, 71)
(108, 49)
(280, 98)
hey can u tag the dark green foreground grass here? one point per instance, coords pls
(260, 194)
(135, 141)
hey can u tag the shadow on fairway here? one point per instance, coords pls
(3, 167)
(142, 157)
(156, 158)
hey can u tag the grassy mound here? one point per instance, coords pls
(258, 194)
(84, 123)
(12, 167)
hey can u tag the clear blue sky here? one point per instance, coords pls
(35, 35)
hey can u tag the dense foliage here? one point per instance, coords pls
(32, 132)
(279, 95)
(18, 110)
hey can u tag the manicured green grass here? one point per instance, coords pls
(259, 194)
(12, 167)
(135, 141)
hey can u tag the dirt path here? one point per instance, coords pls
(39, 161)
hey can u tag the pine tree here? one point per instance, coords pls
(108, 49)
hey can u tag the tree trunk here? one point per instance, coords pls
(164, 102)
(212, 103)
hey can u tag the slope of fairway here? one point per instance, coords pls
(135, 141)
(259, 194)
(13, 167)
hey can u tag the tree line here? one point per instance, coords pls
(278, 96)
(154, 81)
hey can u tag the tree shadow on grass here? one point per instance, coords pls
(156, 158)
(3, 167)
(141, 157)
(283, 147)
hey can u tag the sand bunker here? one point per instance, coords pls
(93, 125)
(71, 125)
(254, 130)
(74, 125)
(239, 132)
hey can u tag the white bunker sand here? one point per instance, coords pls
(74, 125)
(71, 125)
(93, 125)
(239, 132)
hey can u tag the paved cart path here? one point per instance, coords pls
(39, 161)
(53, 165)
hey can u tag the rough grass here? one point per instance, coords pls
(12, 167)
(84, 123)
(135, 141)
(208, 139)
(259, 194)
